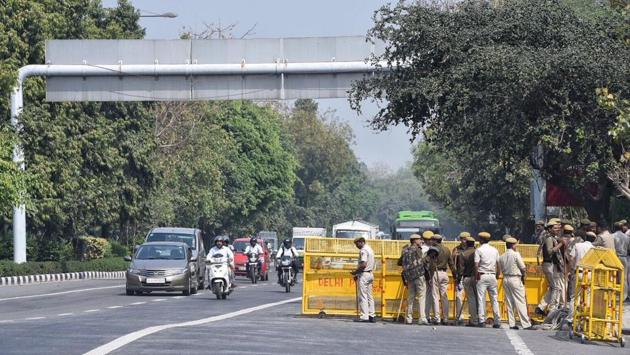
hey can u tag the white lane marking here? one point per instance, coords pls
(64, 314)
(136, 303)
(6, 321)
(59, 293)
(518, 343)
(159, 299)
(91, 310)
(178, 297)
(131, 337)
(34, 318)
(114, 307)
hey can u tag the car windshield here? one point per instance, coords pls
(349, 234)
(240, 246)
(298, 243)
(172, 237)
(166, 252)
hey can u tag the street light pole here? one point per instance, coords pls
(166, 15)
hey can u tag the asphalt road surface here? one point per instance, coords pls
(96, 317)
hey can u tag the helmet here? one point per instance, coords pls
(287, 242)
(253, 240)
(218, 239)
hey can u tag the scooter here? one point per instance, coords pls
(252, 267)
(219, 281)
(287, 277)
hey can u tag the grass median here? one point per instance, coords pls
(9, 268)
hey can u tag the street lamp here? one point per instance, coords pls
(166, 14)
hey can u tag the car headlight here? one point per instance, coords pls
(134, 271)
(176, 271)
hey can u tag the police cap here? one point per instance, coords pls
(484, 235)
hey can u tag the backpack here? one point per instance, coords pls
(413, 267)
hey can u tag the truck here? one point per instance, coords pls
(299, 234)
(354, 229)
(410, 222)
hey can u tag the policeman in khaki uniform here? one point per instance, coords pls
(466, 276)
(427, 243)
(487, 265)
(513, 269)
(365, 279)
(459, 287)
(440, 280)
(413, 277)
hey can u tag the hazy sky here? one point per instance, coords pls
(288, 18)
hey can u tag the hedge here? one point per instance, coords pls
(9, 268)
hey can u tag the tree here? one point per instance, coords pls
(497, 82)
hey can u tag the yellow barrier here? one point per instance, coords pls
(328, 287)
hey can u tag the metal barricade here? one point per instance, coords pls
(598, 303)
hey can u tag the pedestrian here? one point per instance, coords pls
(539, 228)
(514, 271)
(568, 231)
(413, 276)
(459, 287)
(488, 272)
(604, 238)
(467, 278)
(427, 243)
(364, 278)
(427, 237)
(580, 233)
(551, 245)
(622, 248)
(439, 282)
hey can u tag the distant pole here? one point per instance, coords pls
(165, 15)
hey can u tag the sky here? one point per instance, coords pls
(289, 18)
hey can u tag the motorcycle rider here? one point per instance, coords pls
(221, 248)
(254, 248)
(287, 249)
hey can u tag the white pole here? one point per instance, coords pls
(19, 212)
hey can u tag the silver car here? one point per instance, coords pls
(162, 266)
(190, 236)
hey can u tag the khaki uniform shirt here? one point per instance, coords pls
(487, 257)
(511, 263)
(366, 254)
(444, 258)
(466, 263)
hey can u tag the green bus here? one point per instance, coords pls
(409, 222)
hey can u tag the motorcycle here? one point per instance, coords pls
(219, 281)
(252, 267)
(287, 277)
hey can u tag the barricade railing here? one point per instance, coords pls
(328, 286)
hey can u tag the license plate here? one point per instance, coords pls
(156, 281)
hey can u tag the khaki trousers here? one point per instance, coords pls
(459, 301)
(552, 296)
(515, 300)
(416, 294)
(366, 301)
(488, 282)
(439, 288)
(470, 286)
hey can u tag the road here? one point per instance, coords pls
(77, 317)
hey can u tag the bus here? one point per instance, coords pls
(410, 222)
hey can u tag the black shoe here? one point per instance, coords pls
(514, 328)
(444, 322)
(361, 320)
(497, 326)
(372, 320)
(472, 325)
(481, 325)
(539, 312)
(434, 322)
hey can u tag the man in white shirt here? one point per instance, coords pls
(221, 248)
(364, 277)
(254, 249)
(513, 269)
(289, 250)
(486, 262)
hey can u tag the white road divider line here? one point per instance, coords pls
(59, 293)
(178, 297)
(136, 303)
(6, 321)
(131, 337)
(159, 299)
(34, 318)
(91, 310)
(114, 307)
(64, 314)
(518, 343)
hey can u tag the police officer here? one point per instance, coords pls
(466, 277)
(459, 287)
(550, 246)
(488, 271)
(413, 277)
(427, 243)
(364, 278)
(440, 280)
(513, 269)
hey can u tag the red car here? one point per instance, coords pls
(240, 259)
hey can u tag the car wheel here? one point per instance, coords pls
(186, 292)
(193, 290)
(129, 292)
(201, 285)
(223, 296)
(138, 293)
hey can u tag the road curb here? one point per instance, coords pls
(23, 280)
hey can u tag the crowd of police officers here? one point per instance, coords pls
(425, 262)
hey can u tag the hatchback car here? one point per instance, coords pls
(190, 236)
(162, 266)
